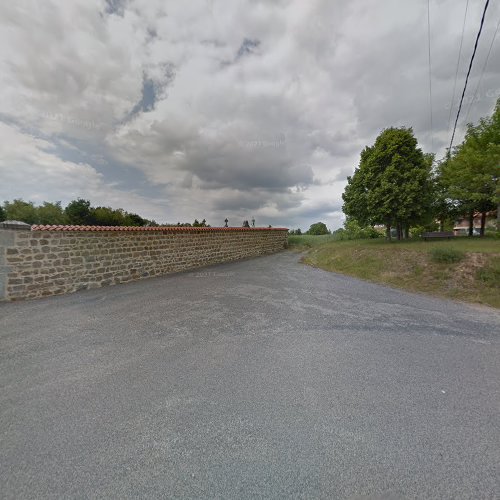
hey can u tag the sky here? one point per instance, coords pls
(214, 109)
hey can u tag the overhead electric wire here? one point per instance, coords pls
(468, 73)
(430, 67)
(482, 72)
(458, 64)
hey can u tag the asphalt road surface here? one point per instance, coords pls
(257, 379)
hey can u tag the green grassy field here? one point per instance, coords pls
(464, 268)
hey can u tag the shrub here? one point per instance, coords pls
(417, 231)
(447, 255)
(353, 231)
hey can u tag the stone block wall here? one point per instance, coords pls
(50, 260)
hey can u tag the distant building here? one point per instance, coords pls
(461, 227)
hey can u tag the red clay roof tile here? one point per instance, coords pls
(41, 227)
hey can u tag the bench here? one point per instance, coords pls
(433, 235)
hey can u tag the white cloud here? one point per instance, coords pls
(30, 169)
(234, 109)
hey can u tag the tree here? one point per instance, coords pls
(318, 228)
(21, 210)
(78, 212)
(392, 185)
(443, 208)
(2, 213)
(203, 223)
(355, 195)
(51, 213)
(106, 216)
(471, 173)
(132, 219)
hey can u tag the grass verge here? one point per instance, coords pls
(465, 269)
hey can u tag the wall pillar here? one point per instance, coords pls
(8, 230)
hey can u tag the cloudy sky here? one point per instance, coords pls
(216, 108)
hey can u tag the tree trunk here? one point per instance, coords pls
(471, 223)
(388, 231)
(407, 231)
(398, 230)
(441, 225)
(483, 223)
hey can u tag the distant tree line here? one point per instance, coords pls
(77, 212)
(316, 229)
(396, 185)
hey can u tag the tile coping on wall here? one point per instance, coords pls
(38, 227)
(51, 260)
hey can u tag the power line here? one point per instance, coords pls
(468, 72)
(482, 72)
(458, 64)
(430, 66)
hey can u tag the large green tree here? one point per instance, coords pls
(355, 195)
(472, 172)
(21, 210)
(107, 216)
(392, 185)
(132, 219)
(51, 213)
(78, 212)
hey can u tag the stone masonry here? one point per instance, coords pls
(51, 260)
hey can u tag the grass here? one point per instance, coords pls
(463, 268)
(447, 255)
(305, 241)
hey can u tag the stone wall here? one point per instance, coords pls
(50, 260)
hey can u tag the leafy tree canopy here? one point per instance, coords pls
(392, 184)
(51, 213)
(318, 228)
(471, 173)
(78, 212)
(21, 210)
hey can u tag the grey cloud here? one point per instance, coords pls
(115, 7)
(316, 212)
(275, 130)
(248, 47)
(239, 200)
(153, 90)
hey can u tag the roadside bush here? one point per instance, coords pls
(447, 255)
(353, 231)
(417, 231)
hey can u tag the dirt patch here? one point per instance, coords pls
(466, 271)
